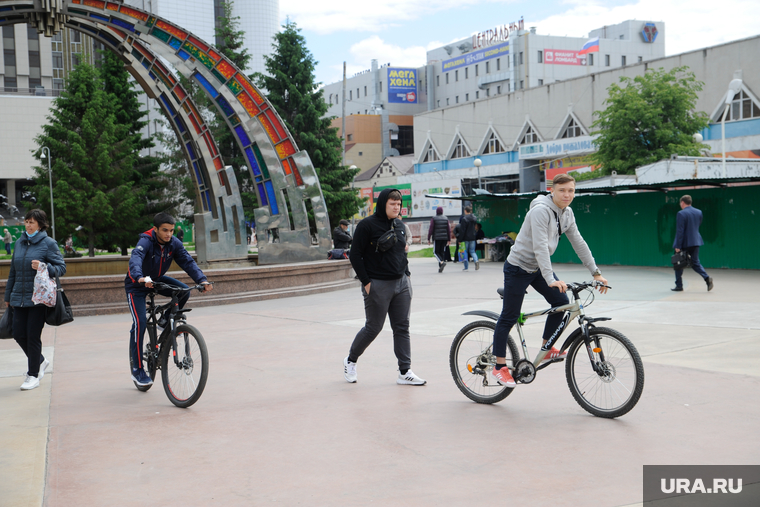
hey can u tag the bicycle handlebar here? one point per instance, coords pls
(174, 288)
(578, 286)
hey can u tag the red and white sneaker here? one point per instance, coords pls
(503, 377)
(554, 354)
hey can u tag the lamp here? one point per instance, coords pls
(734, 87)
(50, 180)
(478, 163)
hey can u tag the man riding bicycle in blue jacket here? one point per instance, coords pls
(150, 260)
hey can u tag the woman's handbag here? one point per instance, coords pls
(61, 313)
(680, 260)
(6, 323)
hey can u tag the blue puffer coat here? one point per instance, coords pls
(20, 286)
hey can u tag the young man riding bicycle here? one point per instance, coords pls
(529, 263)
(150, 260)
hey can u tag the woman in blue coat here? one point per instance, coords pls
(34, 246)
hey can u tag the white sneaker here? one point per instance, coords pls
(410, 379)
(349, 371)
(30, 383)
(43, 367)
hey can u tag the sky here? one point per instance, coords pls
(400, 32)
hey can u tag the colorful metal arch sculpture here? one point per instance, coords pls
(284, 176)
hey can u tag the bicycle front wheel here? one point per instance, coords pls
(185, 366)
(471, 360)
(615, 388)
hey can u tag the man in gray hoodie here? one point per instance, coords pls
(529, 263)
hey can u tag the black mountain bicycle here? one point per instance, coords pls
(603, 369)
(179, 350)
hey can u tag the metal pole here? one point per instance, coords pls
(723, 135)
(343, 116)
(50, 180)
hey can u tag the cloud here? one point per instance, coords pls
(352, 16)
(689, 25)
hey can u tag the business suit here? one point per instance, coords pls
(689, 240)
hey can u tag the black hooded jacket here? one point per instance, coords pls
(370, 264)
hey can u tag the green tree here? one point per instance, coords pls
(647, 119)
(93, 159)
(298, 99)
(146, 174)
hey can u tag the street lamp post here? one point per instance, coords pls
(478, 163)
(50, 180)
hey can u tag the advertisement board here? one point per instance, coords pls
(425, 207)
(476, 56)
(402, 86)
(558, 148)
(367, 208)
(563, 57)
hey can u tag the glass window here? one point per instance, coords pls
(521, 57)
(11, 84)
(572, 130)
(476, 71)
(457, 99)
(498, 64)
(591, 58)
(540, 57)
(498, 90)
(622, 60)
(477, 95)
(493, 146)
(466, 97)
(461, 150)
(742, 108)
(75, 36)
(606, 60)
(488, 67)
(530, 136)
(10, 59)
(540, 82)
(430, 155)
(447, 78)
(521, 84)
(466, 73)
(365, 91)
(641, 59)
(456, 75)
(34, 59)
(438, 80)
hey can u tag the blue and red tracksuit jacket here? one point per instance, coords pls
(150, 259)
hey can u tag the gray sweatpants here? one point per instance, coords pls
(394, 299)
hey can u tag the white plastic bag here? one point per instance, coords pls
(44, 288)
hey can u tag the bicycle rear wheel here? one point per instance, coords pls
(149, 358)
(471, 360)
(616, 387)
(185, 367)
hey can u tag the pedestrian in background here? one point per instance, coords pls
(8, 240)
(440, 231)
(689, 240)
(467, 235)
(33, 247)
(341, 237)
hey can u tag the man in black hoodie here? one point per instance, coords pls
(384, 275)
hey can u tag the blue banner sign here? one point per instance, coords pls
(402, 86)
(478, 56)
(561, 147)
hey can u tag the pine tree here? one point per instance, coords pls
(298, 100)
(92, 160)
(145, 176)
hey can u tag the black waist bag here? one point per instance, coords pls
(387, 240)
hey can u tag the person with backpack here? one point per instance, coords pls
(378, 255)
(467, 235)
(529, 263)
(440, 231)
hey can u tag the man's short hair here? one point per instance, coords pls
(38, 216)
(394, 195)
(686, 199)
(562, 178)
(163, 218)
(468, 209)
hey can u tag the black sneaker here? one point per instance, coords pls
(709, 283)
(678, 289)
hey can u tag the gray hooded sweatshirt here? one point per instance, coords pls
(538, 238)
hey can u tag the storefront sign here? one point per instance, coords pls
(425, 207)
(402, 86)
(368, 207)
(475, 57)
(496, 35)
(559, 148)
(553, 167)
(563, 57)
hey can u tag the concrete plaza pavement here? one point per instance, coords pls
(278, 424)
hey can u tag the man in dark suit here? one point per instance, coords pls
(689, 240)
